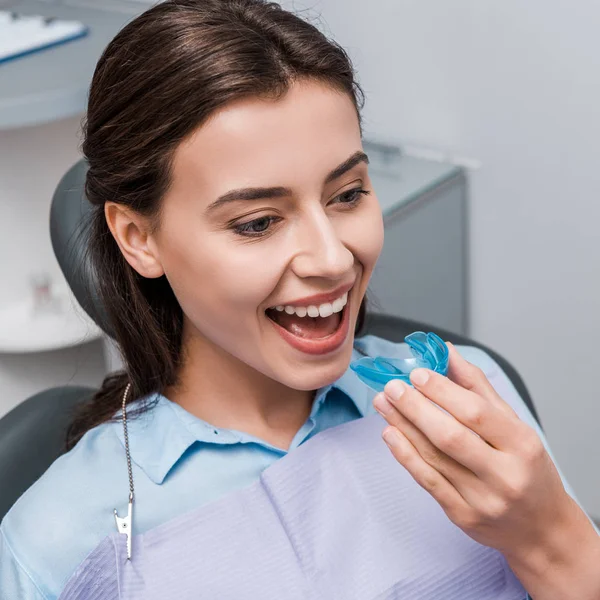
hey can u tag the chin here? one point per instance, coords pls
(313, 375)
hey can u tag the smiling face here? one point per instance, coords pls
(271, 217)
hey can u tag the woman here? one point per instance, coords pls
(234, 234)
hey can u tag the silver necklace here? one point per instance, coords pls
(124, 523)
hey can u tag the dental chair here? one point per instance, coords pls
(32, 435)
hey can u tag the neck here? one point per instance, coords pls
(227, 393)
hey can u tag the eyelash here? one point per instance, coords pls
(243, 229)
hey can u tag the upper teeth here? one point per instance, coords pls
(323, 310)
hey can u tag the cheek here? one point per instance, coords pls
(217, 279)
(364, 236)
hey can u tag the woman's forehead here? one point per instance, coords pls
(257, 141)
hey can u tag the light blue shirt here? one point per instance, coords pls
(179, 463)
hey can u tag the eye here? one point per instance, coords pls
(351, 197)
(256, 227)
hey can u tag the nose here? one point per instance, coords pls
(319, 250)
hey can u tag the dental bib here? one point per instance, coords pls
(338, 518)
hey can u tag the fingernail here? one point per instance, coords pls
(382, 404)
(394, 389)
(419, 376)
(391, 437)
(452, 347)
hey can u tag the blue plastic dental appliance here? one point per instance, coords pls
(426, 350)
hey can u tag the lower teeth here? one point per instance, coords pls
(306, 327)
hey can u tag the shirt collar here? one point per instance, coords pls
(349, 383)
(159, 437)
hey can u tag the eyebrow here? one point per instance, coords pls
(280, 192)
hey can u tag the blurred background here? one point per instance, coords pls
(484, 123)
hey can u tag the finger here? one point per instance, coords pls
(442, 429)
(458, 475)
(472, 378)
(431, 480)
(497, 427)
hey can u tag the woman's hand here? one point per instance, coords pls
(499, 486)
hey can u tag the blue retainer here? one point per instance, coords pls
(423, 350)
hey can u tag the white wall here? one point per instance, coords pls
(516, 85)
(32, 161)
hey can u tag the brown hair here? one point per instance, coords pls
(159, 79)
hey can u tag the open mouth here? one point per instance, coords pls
(311, 322)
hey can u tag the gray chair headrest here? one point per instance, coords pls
(70, 214)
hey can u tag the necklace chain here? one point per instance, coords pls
(126, 436)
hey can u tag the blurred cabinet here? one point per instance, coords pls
(422, 273)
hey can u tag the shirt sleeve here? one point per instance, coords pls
(15, 581)
(507, 391)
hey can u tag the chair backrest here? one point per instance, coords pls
(70, 214)
(69, 217)
(32, 435)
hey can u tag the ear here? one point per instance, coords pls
(132, 233)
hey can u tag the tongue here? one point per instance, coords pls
(307, 327)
